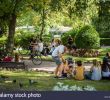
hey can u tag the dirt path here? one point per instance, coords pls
(47, 66)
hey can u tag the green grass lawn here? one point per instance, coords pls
(46, 82)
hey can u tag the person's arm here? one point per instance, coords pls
(91, 69)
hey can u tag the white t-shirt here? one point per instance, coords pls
(40, 46)
(59, 49)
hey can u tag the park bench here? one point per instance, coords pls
(12, 65)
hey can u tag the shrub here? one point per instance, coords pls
(87, 38)
(65, 36)
(105, 41)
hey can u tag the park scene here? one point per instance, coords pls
(55, 45)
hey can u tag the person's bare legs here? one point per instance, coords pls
(60, 69)
(56, 70)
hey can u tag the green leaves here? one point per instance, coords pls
(87, 38)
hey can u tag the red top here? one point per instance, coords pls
(8, 59)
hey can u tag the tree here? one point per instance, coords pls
(41, 7)
(102, 21)
(9, 12)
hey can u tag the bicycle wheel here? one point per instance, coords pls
(23, 51)
(37, 60)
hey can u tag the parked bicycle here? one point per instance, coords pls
(36, 58)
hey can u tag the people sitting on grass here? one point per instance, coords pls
(79, 71)
(95, 71)
(67, 70)
(105, 68)
(57, 56)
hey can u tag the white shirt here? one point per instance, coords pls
(59, 49)
(40, 46)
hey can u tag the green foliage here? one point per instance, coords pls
(65, 36)
(3, 40)
(105, 41)
(46, 38)
(87, 38)
(102, 21)
(23, 38)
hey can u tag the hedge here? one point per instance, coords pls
(105, 41)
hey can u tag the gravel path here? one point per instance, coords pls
(47, 66)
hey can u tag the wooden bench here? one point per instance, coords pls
(12, 65)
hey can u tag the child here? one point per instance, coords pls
(79, 71)
(67, 68)
(95, 71)
(57, 55)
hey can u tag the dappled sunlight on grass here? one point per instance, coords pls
(44, 81)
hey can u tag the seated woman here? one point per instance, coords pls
(95, 72)
(79, 71)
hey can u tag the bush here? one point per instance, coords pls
(105, 41)
(87, 38)
(65, 36)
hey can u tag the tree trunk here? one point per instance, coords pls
(10, 40)
(43, 23)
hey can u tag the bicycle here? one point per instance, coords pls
(36, 58)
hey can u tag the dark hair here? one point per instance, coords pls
(79, 63)
(105, 65)
(108, 54)
(41, 40)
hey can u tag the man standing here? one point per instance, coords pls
(57, 56)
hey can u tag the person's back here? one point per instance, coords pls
(96, 73)
(59, 49)
(79, 71)
(40, 46)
